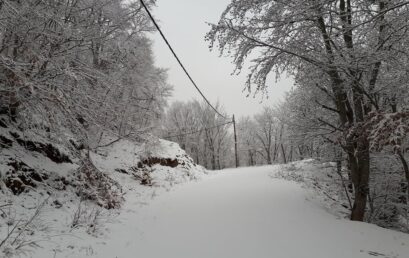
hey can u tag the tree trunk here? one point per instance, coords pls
(283, 152)
(404, 198)
(197, 158)
(360, 168)
(300, 152)
(269, 162)
(251, 159)
(291, 154)
(213, 159)
(13, 101)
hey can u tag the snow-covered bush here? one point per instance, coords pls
(21, 233)
(89, 216)
(324, 180)
(92, 184)
(388, 196)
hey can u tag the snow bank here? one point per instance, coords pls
(331, 190)
(121, 161)
(48, 218)
(334, 191)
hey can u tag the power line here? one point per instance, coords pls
(193, 132)
(177, 58)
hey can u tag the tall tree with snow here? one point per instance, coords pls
(350, 43)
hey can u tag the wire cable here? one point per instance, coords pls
(177, 58)
(193, 132)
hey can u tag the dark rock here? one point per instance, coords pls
(16, 165)
(26, 180)
(36, 176)
(77, 146)
(166, 162)
(5, 142)
(46, 149)
(15, 185)
(19, 166)
(55, 155)
(3, 123)
(121, 170)
(57, 204)
(65, 181)
(21, 176)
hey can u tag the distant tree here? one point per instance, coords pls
(200, 131)
(247, 141)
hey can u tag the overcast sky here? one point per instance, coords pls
(184, 24)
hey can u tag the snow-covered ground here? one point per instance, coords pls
(187, 212)
(48, 217)
(244, 212)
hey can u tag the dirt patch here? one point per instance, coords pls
(151, 161)
(142, 171)
(21, 176)
(5, 142)
(3, 123)
(77, 145)
(61, 183)
(121, 170)
(47, 150)
(15, 185)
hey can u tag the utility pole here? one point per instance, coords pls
(235, 143)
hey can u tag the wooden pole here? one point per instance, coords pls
(235, 143)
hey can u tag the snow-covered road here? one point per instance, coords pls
(244, 213)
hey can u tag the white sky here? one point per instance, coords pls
(184, 24)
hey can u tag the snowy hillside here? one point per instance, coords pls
(51, 203)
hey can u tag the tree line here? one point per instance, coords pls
(82, 67)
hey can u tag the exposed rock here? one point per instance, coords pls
(36, 176)
(3, 123)
(151, 161)
(5, 142)
(76, 145)
(57, 204)
(15, 185)
(46, 149)
(21, 175)
(121, 170)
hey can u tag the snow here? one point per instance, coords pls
(323, 179)
(242, 212)
(125, 154)
(190, 212)
(34, 159)
(54, 232)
